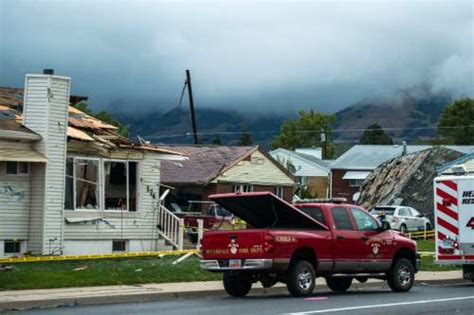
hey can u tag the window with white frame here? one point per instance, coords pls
(93, 183)
(12, 247)
(355, 182)
(242, 188)
(279, 191)
(303, 180)
(17, 168)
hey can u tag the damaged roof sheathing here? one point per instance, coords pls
(85, 133)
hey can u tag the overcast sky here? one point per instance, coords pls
(272, 54)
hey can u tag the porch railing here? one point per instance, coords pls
(171, 227)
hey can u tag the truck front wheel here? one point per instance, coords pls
(237, 284)
(338, 284)
(401, 276)
(301, 279)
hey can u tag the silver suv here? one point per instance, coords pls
(404, 219)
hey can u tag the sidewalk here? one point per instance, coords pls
(24, 299)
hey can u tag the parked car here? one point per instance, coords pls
(403, 219)
(294, 244)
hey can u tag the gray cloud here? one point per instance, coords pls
(277, 55)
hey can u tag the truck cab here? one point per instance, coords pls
(294, 244)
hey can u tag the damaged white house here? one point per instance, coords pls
(70, 184)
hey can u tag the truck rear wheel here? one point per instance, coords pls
(237, 284)
(337, 284)
(301, 279)
(401, 276)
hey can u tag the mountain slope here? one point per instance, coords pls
(414, 116)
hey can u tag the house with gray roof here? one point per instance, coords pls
(349, 171)
(312, 172)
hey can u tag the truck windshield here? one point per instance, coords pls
(380, 210)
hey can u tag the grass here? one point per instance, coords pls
(428, 262)
(42, 275)
(425, 246)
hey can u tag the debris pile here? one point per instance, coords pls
(406, 180)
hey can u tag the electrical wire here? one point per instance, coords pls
(296, 131)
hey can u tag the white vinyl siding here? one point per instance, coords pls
(46, 107)
(15, 194)
(258, 171)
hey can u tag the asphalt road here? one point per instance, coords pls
(433, 299)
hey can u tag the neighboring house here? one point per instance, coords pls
(349, 171)
(311, 171)
(69, 184)
(467, 161)
(224, 169)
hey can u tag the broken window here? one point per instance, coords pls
(87, 184)
(100, 184)
(120, 185)
(69, 189)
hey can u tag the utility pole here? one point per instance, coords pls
(191, 106)
(323, 144)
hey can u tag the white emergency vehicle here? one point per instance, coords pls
(454, 221)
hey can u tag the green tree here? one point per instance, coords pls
(217, 140)
(245, 138)
(456, 123)
(105, 117)
(305, 131)
(374, 134)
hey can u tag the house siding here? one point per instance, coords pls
(266, 173)
(15, 191)
(46, 106)
(138, 225)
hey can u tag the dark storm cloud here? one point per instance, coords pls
(275, 54)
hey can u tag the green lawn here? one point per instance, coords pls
(61, 274)
(425, 246)
(427, 262)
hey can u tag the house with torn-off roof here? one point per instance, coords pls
(214, 169)
(312, 172)
(466, 162)
(69, 184)
(349, 171)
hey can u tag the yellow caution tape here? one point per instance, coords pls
(89, 257)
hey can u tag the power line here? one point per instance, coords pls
(295, 131)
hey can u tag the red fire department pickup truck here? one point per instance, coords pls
(294, 244)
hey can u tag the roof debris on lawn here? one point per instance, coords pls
(406, 180)
(85, 133)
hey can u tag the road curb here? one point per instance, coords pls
(154, 296)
